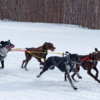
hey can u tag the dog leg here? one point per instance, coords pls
(2, 64)
(41, 63)
(67, 69)
(89, 72)
(74, 70)
(71, 82)
(65, 76)
(23, 63)
(73, 77)
(26, 65)
(96, 72)
(41, 73)
(45, 56)
(28, 58)
(65, 79)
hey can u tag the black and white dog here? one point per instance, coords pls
(64, 64)
(5, 47)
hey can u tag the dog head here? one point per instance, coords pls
(95, 55)
(48, 46)
(75, 58)
(7, 44)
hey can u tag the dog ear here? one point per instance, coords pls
(45, 43)
(67, 53)
(2, 42)
(96, 50)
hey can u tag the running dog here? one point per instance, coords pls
(5, 47)
(89, 62)
(38, 53)
(64, 64)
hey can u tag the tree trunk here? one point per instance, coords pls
(96, 14)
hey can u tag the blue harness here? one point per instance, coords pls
(63, 61)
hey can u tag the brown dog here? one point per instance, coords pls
(89, 62)
(38, 53)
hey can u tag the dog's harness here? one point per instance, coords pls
(94, 63)
(85, 59)
(64, 60)
(57, 64)
(88, 59)
(3, 53)
(41, 49)
(36, 51)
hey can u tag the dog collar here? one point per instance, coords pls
(42, 48)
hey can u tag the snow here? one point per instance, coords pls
(18, 84)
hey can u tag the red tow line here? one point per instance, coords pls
(40, 48)
(21, 50)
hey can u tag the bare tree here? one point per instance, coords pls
(80, 12)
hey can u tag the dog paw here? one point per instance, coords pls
(75, 88)
(22, 67)
(98, 81)
(38, 76)
(26, 69)
(79, 77)
(96, 76)
(42, 63)
(1, 67)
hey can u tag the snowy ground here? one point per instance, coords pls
(18, 84)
